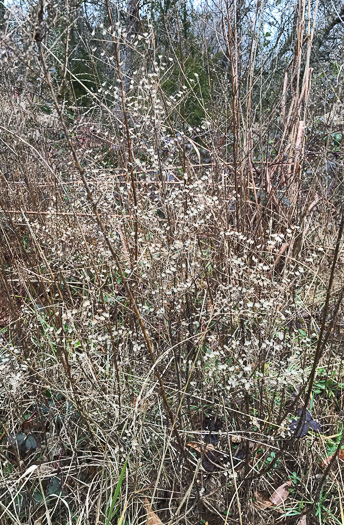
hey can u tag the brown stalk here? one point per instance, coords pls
(126, 123)
(235, 120)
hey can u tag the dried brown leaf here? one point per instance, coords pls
(281, 494)
(195, 446)
(199, 448)
(152, 518)
(141, 404)
(262, 502)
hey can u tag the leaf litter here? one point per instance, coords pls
(276, 500)
(152, 518)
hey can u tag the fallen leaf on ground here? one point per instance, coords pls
(262, 502)
(199, 448)
(142, 405)
(275, 500)
(281, 494)
(152, 518)
(329, 458)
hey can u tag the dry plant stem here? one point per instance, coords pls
(320, 345)
(234, 473)
(18, 137)
(105, 307)
(297, 398)
(180, 42)
(116, 259)
(167, 113)
(187, 494)
(327, 471)
(62, 213)
(126, 123)
(184, 393)
(231, 52)
(79, 168)
(88, 419)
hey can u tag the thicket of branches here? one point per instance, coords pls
(171, 218)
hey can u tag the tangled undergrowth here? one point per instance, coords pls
(171, 316)
(233, 324)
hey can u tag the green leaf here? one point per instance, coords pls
(31, 443)
(17, 440)
(37, 497)
(54, 487)
(337, 137)
(111, 511)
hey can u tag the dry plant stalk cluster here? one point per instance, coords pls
(171, 295)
